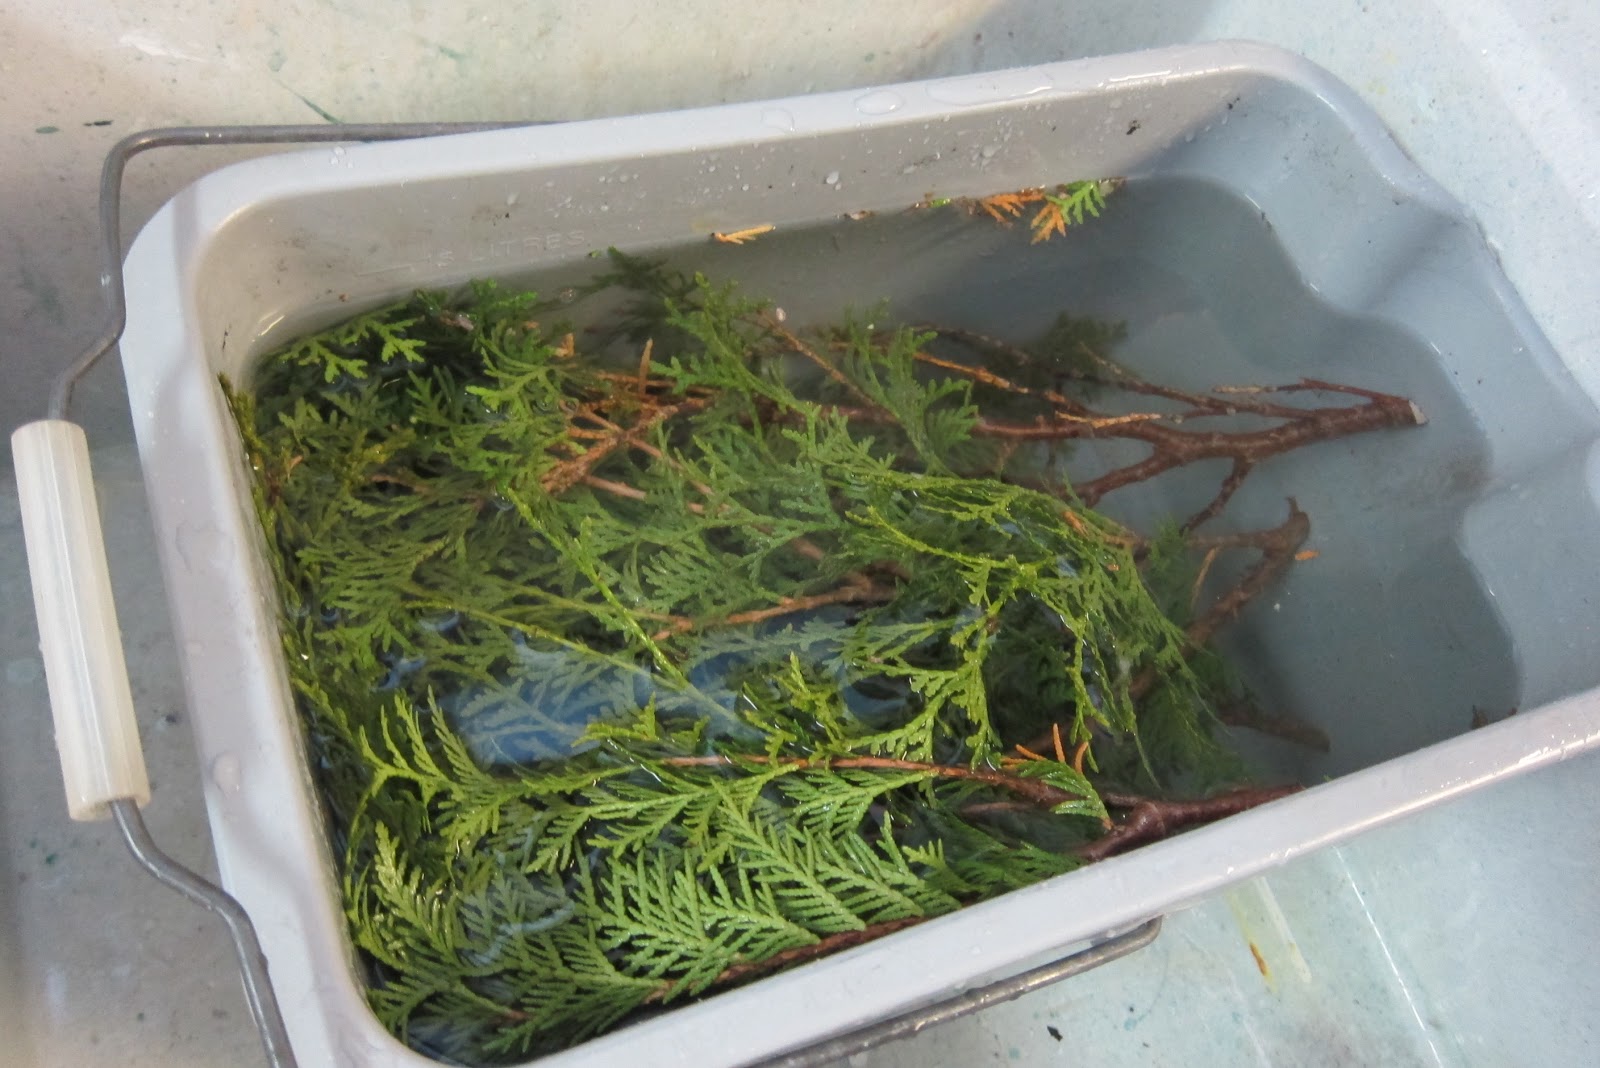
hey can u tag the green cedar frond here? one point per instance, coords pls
(584, 690)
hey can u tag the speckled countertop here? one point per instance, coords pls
(1459, 937)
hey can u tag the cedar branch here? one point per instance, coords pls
(1035, 791)
(865, 592)
(1278, 547)
(1171, 445)
(753, 969)
(1152, 819)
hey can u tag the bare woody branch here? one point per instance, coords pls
(1034, 791)
(1173, 445)
(1152, 819)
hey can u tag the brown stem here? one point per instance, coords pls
(615, 488)
(1172, 447)
(1230, 486)
(980, 809)
(1289, 729)
(852, 593)
(791, 339)
(1035, 791)
(1067, 425)
(987, 377)
(1152, 819)
(802, 545)
(422, 489)
(831, 944)
(1277, 553)
(745, 970)
(1277, 546)
(1234, 400)
(569, 473)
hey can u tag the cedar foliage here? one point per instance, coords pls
(641, 671)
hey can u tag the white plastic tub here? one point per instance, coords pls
(1480, 589)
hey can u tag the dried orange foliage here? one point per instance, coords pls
(1047, 222)
(1003, 207)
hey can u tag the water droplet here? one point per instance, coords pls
(990, 88)
(511, 198)
(338, 150)
(989, 151)
(227, 773)
(832, 178)
(777, 119)
(879, 102)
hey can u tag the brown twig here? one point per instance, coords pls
(1172, 445)
(795, 344)
(1035, 791)
(979, 809)
(1278, 547)
(746, 970)
(1230, 486)
(615, 488)
(1200, 576)
(1066, 425)
(644, 371)
(1289, 729)
(1152, 819)
(984, 376)
(417, 486)
(563, 476)
(865, 592)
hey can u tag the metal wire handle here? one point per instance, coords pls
(258, 991)
(913, 1023)
(252, 962)
(196, 136)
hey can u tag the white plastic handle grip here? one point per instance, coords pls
(97, 737)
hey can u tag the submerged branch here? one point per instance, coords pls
(1152, 819)
(563, 476)
(864, 592)
(1035, 791)
(746, 970)
(1278, 547)
(1172, 445)
(1296, 731)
